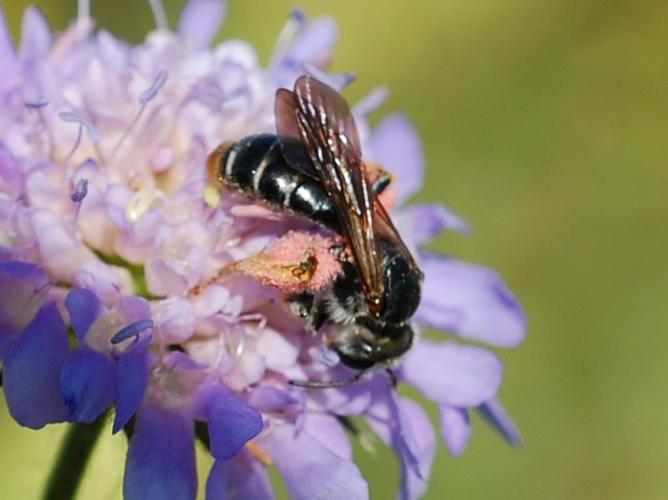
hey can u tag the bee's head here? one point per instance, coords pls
(370, 341)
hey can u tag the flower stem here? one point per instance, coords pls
(74, 453)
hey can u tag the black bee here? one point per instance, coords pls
(313, 167)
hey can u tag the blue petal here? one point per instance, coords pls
(232, 423)
(497, 417)
(32, 368)
(240, 477)
(84, 308)
(161, 457)
(201, 20)
(132, 382)
(88, 384)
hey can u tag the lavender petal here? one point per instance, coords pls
(455, 428)
(84, 308)
(470, 301)
(428, 221)
(402, 424)
(161, 457)
(200, 21)
(7, 53)
(35, 34)
(452, 374)
(240, 477)
(88, 385)
(497, 416)
(31, 370)
(395, 145)
(310, 469)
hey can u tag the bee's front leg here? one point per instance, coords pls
(302, 306)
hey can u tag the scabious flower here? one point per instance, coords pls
(111, 240)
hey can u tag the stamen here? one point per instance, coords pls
(151, 92)
(80, 191)
(132, 330)
(159, 15)
(38, 103)
(295, 23)
(75, 117)
(37, 106)
(144, 98)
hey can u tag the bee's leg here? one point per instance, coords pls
(301, 305)
(381, 182)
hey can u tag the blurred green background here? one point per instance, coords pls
(545, 125)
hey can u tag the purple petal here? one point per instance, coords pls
(88, 384)
(428, 221)
(9, 65)
(161, 457)
(84, 308)
(497, 417)
(200, 21)
(371, 102)
(11, 174)
(311, 470)
(470, 301)
(420, 439)
(315, 43)
(272, 400)
(132, 381)
(330, 433)
(35, 34)
(232, 423)
(456, 428)
(402, 424)
(241, 477)
(395, 145)
(31, 370)
(175, 319)
(20, 287)
(452, 374)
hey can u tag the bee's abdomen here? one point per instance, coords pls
(256, 167)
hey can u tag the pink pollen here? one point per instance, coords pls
(295, 263)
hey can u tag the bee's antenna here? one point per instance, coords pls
(326, 384)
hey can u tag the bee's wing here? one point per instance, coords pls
(386, 228)
(318, 117)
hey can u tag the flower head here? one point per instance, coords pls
(128, 282)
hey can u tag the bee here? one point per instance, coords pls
(313, 168)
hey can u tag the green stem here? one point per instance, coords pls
(74, 453)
